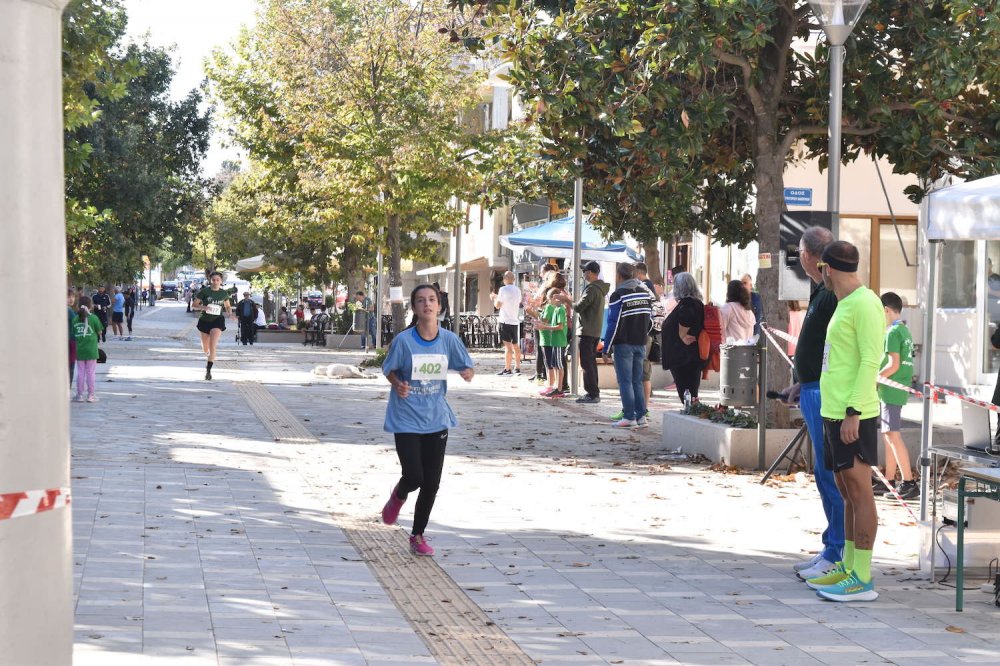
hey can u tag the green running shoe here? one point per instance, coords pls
(831, 578)
(849, 589)
(619, 416)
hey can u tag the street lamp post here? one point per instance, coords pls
(837, 18)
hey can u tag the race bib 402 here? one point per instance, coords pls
(429, 366)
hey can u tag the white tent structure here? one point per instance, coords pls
(254, 265)
(964, 212)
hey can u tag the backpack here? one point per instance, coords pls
(710, 339)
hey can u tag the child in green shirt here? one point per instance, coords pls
(553, 334)
(897, 366)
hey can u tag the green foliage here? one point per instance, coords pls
(719, 414)
(132, 155)
(377, 360)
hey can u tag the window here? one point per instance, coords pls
(958, 274)
(991, 356)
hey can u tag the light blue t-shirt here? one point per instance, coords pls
(119, 303)
(425, 410)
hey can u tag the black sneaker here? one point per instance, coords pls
(208, 375)
(517, 371)
(588, 399)
(878, 488)
(908, 490)
(503, 372)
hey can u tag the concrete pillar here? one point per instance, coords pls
(36, 592)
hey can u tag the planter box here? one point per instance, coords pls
(341, 341)
(277, 335)
(718, 442)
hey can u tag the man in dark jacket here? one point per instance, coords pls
(629, 320)
(590, 309)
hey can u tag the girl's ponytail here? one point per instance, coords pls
(83, 313)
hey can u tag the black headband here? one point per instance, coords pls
(839, 264)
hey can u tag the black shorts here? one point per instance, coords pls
(838, 456)
(510, 333)
(206, 325)
(117, 317)
(555, 357)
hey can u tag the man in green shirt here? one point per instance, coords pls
(850, 409)
(897, 365)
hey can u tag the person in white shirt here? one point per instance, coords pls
(737, 314)
(508, 301)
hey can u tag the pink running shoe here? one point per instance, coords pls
(419, 546)
(390, 512)
(546, 391)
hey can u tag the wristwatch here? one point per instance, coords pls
(853, 412)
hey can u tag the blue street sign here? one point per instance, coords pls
(798, 196)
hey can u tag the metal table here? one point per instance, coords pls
(978, 458)
(974, 482)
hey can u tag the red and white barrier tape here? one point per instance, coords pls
(788, 338)
(767, 333)
(30, 502)
(964, 398)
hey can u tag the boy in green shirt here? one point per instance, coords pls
(554, 339)
(897, 366)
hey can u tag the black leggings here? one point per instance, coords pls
(422, 459)
(687, 378)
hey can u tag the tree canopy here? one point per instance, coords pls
(133, 155)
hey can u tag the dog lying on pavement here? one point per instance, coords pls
(342, 371)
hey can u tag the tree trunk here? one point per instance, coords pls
(651, 251)
(769, 181)
(395, 273)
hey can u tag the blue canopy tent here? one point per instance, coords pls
(555, 239)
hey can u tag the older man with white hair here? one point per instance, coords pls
(508, 301)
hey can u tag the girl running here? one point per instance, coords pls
(212, 300)
(86, 329)
(418, 414)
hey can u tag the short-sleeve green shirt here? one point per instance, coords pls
(211, 297)
(554, 315)
(85, 333)
(898, 340)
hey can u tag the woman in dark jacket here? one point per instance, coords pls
(679, 341)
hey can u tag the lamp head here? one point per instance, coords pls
(838, 17)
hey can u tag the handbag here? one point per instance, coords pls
(655, 355)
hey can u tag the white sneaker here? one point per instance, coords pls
(642, 422)
(821, 568)
(808, 564)
(624, 423)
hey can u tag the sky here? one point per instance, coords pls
(194, 28)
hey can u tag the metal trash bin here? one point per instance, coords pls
(738, 368)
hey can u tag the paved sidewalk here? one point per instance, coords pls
(234, 522)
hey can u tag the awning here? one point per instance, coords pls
(967, 211)
(254, 265)
(555, 239)
(476, 264)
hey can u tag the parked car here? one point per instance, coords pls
(315, 299)
(169, 290)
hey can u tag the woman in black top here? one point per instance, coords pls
(213, 301)
(679, 342)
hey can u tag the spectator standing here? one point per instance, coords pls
(152, 295)
(86, 329)
(145, 296)
(246, 311)
(130, 305)
(738, 319)
(552, 326)
(897, 365)
(679, 336)
(71, 313)
(444, 317)
(647, 367)
(102, 304)
(850, 410)
(508, 301)
(551, 277)
(628, 325)
(809, 355)
(187, 296)
(418, 413)
(590, 311)
(755, 303)
(118, 314)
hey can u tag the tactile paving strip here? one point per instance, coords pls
(278, 420)
(454, 628)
